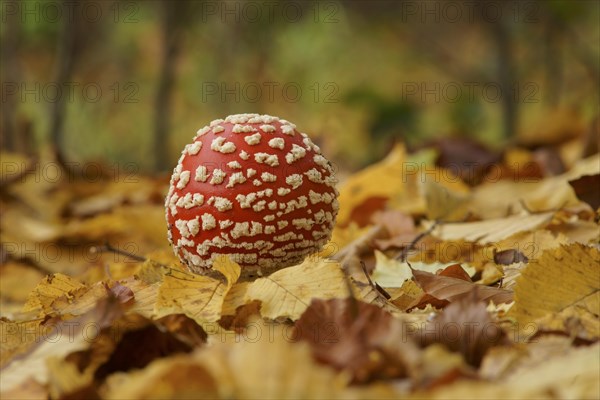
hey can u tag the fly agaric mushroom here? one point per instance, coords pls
(254, 188)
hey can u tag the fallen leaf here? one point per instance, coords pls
(18, 280)
(173, 377)
(530, 244)
(492, 230)
(241, 370)
(399, 226)
(381, 180)
(63, 338)
(390, 272)
(197, 296)
(51, 288)
(573, 375)
(452, 289)
(510, 256)
(587, 188)
(357, 337)
(288, 292)
(443, 202)
(29, 389)
(563, 280)
(466, 327)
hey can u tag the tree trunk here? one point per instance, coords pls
(170, 50)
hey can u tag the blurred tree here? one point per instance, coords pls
(10, 78)
(78, 36)
(175, 18)
(69, 40)
(390, 119)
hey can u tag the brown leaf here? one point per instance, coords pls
(355, 336)
(63, 338)
(138, 347)
(122, 293)
(587, 188)
(466, 327)
(452, 289)
(468, 158)
(400, 227)
(243, 315)
(510, 256)
(266, 363)
(455, 271)
(184, 329)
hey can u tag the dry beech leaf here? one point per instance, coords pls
(197, 296)
(64, 338)
(439, 367)
(52, 287)
(357, 337)
(510, 256)
(342, 237)
(587, 188)
(452, 289)
(573, 375)
(243, 314)
(446, 203)
(266, 363)
(381, 180)
(174, 377)
(29, 389)
(18, 281)
(562, 282)
(131, 342)
(399, 226)
(135, 344)
(145, 296)
(580, 231)
(390, 272)
(531, 244)
(16, 340)
(492, 230)
(495, 198)
(288, 292)
(466, 327)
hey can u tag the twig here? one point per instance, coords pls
(359, 245)
(404, 253)
(351, 298)
(107, 248)
(373, 284)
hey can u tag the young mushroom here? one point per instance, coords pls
(254, 188)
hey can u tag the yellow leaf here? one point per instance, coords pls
(570, 376)
(393, 273)
(165, 378)
(560, 279)
(235, 298)
(383, 179)
(288, 292)
(197, 296)
(51, 288)
(242, 371)
(531, 243)
(444, 201)
(492, 230)
(145, 296)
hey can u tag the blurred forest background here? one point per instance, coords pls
(132, 81)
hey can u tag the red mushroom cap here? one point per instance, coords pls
(254, 188)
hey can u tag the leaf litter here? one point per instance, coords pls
(494, 301)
